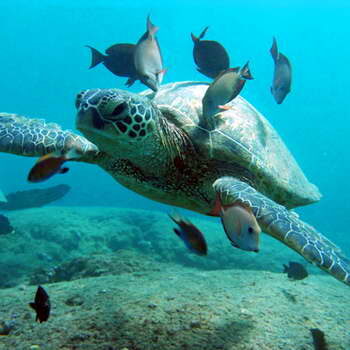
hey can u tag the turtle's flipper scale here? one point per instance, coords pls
(34, 137)
(285, 226)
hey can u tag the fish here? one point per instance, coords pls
(148, 58)
(41, 305)
(295, 271)
(119, 60)
(318, 339)
(241, 227)
(191, 236)
(226, 86)
(5, 226)
(50, 164)
(282, 76)
(210, 56)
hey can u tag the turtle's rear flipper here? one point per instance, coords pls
(284, 225)
(35, 138)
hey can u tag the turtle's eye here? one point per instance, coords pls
(118, 111)
(250, 229)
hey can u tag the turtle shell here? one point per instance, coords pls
(242, 138)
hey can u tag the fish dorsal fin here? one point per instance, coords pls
(235, 70)
(174, 216)
(151, 28)
(33, 306)
(245, 72)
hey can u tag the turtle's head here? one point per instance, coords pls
(112, 118)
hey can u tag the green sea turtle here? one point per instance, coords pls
(165, 150)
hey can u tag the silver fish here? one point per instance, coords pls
(148, 59)
(282, 77)
(226, 86)
(241, 227)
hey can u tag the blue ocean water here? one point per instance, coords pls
(43, 64)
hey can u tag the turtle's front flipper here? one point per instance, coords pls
(34, 137)
(284, 225)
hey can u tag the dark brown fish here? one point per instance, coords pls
(148, 58)
(210, 56)
(295, 271)
(47, 166)
(318, 339)
(119, 59)
(192, 237)
(41, 305)
(282, 77)
(50, 164)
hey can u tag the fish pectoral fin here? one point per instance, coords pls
(33, 306)
(63, 170)
(178, 233)
(162, 72)
(225, 107)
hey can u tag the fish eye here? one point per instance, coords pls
(250, 229)
(119, 109)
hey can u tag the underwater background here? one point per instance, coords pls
(44, 64)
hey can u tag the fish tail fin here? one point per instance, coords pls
(178, 232)
(201, 35)
(96, 57)
(152, 29)
(245, 72)
(194, 38)
(274, 49)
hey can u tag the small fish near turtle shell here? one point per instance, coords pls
(209, 55)
(225, 87)
(295, 271)
(282, 76)
(148, 58)
(119, 60)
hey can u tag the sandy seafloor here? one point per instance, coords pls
(120, 279)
